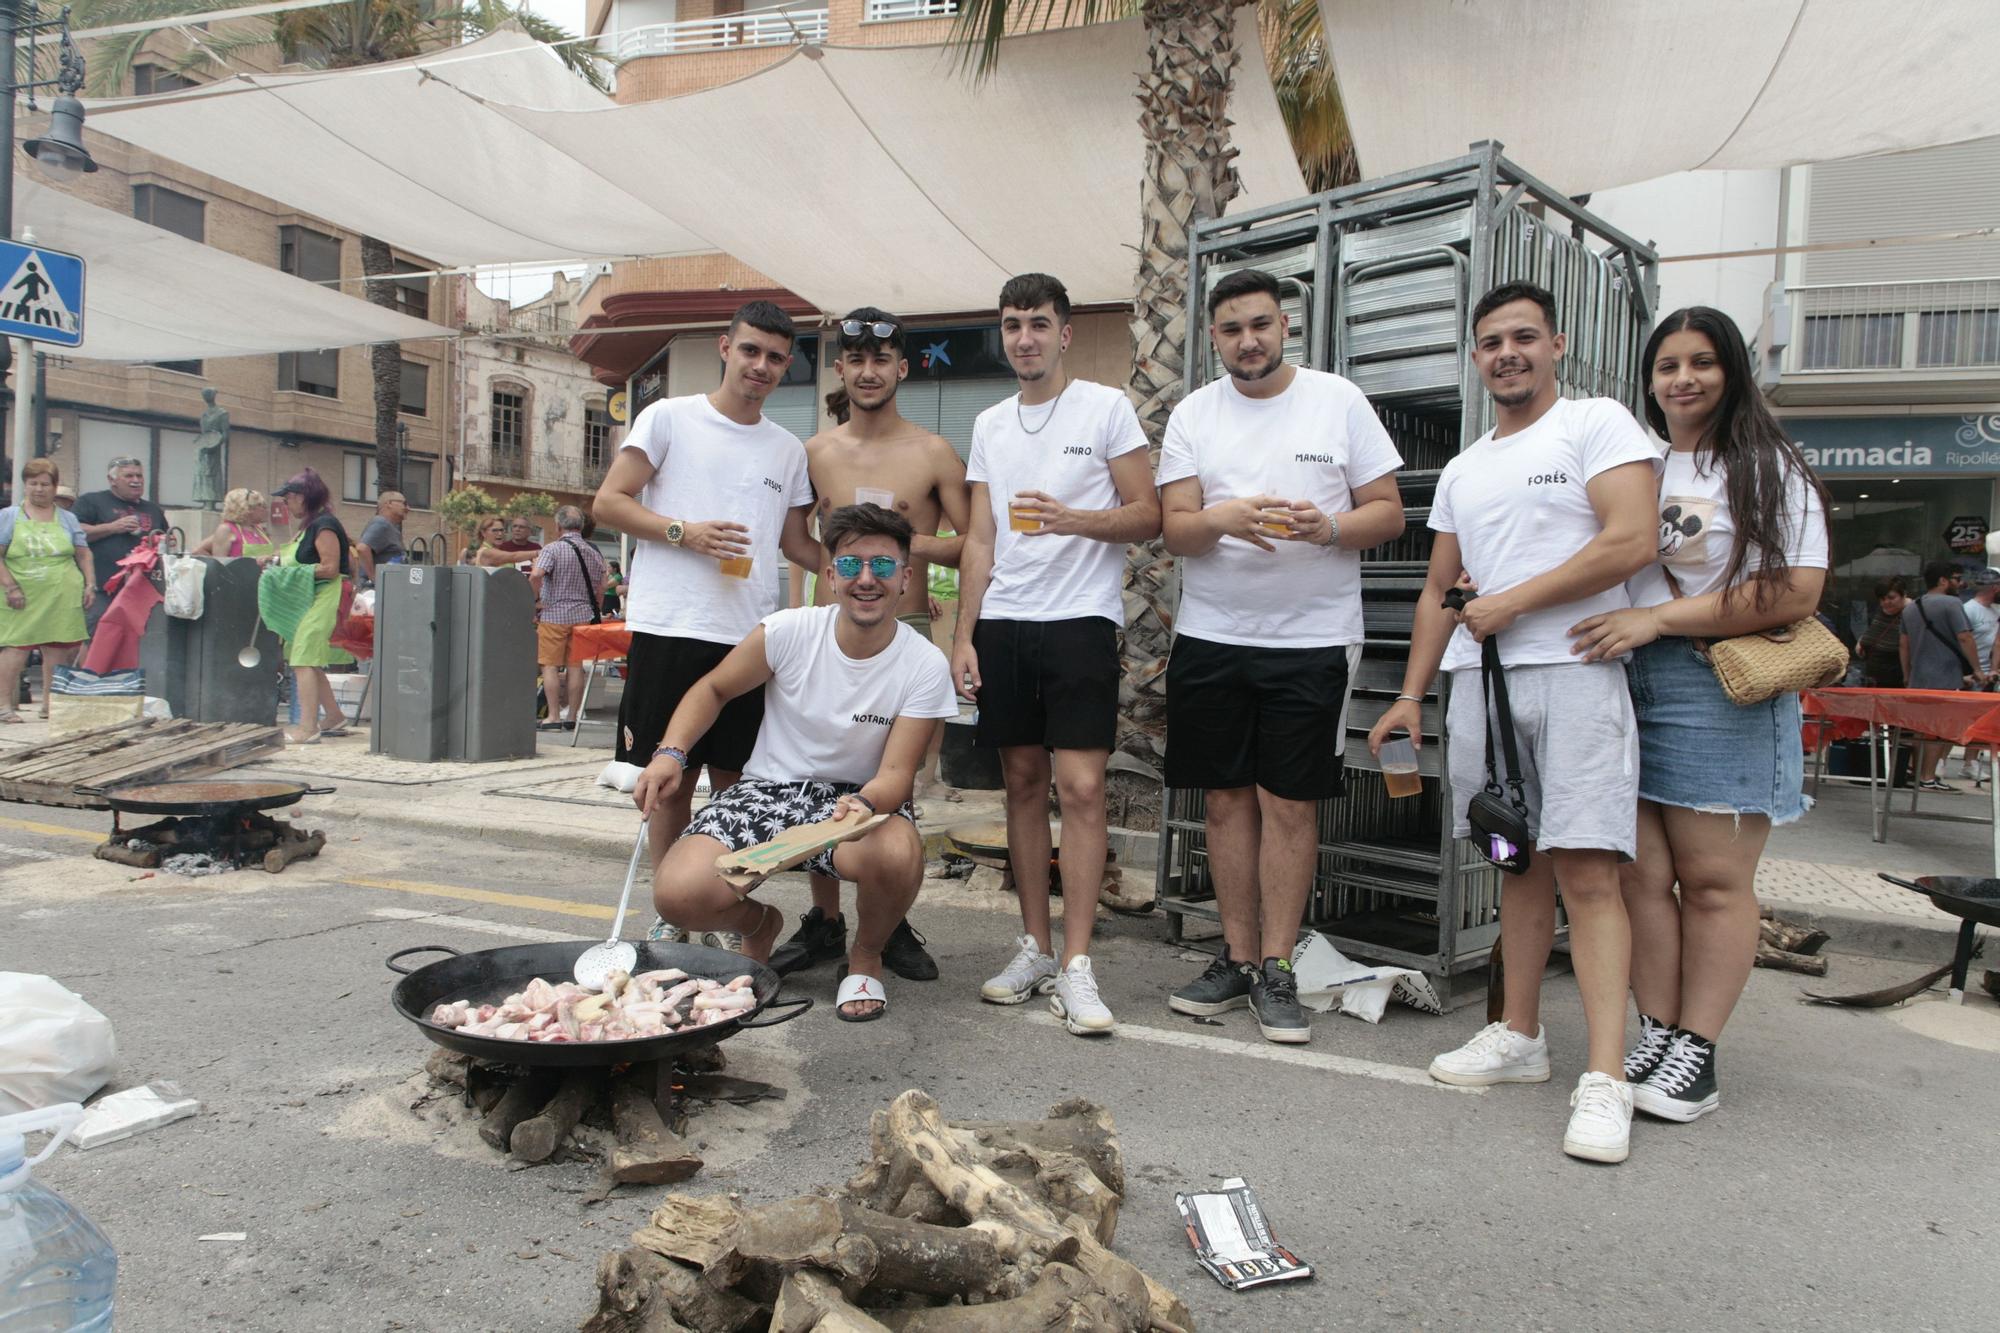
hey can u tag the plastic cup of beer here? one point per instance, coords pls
(736, 566)
(1022, 519)
(1399, 768)
(1277, 522)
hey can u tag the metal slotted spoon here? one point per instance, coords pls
(595, 965)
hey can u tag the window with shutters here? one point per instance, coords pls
(150, 79)
(315, 257)
(413, 294)
(1853, 342)
(169, 210)
(416, 389)
(596, 436)
(508, 437)
(1948, 338)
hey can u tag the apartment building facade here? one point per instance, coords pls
(1883, 359)
(533, 417)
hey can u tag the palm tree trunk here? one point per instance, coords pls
(385, 361)
(1190, 175)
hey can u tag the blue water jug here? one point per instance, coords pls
(57, 1271)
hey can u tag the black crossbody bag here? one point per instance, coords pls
(1499, 818)
(596, 612)
(1924, 613)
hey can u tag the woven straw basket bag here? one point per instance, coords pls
(1755, 667)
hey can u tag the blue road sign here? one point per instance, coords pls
(41, 294)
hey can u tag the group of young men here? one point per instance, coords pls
(1271, 482)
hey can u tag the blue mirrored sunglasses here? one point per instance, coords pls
(849, 566)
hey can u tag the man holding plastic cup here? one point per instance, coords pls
(1272, 480)
(713, 490)
(1059, 488)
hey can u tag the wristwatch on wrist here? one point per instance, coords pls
(1332, 530)
(676, 530)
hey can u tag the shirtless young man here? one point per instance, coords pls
(877, 456)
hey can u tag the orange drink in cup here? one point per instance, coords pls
(1399, 769)
(1277, 522)
(736, 567)
(1022, 519)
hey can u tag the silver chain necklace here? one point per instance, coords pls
(1022, 422)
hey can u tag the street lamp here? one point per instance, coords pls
(59, 154)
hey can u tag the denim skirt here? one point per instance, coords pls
(1700, 751)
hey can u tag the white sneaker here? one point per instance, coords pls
(729, 941)
(1031, 973)
(1076, 1002)
(1600, 1125)
(663, 931)
(1496, 1054)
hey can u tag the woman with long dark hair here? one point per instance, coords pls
(1743, 547)
(309, 649)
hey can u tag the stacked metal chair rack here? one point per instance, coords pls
(1379, 279)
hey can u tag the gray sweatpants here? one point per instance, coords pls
(1579, 750)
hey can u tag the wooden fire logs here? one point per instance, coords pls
(960, 1227)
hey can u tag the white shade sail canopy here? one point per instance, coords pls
(150, 295)
(409, 153)
(848, 175)
(1590, 94)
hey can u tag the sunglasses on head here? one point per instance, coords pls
(855, 328)
(849, 566)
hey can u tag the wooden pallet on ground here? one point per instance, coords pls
(146, 750)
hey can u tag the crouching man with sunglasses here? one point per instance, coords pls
(852, 699)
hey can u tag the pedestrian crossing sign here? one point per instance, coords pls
(41, 294)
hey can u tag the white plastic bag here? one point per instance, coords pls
(54, 1047)
(183, 575)
(1328, 977)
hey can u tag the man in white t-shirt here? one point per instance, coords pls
(1060, 487)
(1549, 514)
(852, 698)
(1985, 622)
(712, 490)
(1272, 480)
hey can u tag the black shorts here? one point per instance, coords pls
(1272, 717)
(1049, 683)
(659, 671)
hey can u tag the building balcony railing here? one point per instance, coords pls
(1932, 330)
(531, 469)
(763, 27)
(894, 11)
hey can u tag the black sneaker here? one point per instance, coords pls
(1224, 986)
(1274, 998)
(1644, 1057)
(816, 941)
(906, 956)
(1682, 1086)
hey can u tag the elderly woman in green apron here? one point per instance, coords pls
(299, 596)
(48, 581)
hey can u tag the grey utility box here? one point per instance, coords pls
(192, 663)
(454, 664)
(493, 664)
(413, 683)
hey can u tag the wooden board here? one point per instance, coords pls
(795, 846)
(143, 751)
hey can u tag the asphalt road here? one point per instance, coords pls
(1848, 1182)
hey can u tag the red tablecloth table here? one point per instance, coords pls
(1964, 717)
(597, 643)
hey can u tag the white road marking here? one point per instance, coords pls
(1284, 1055)
(475, 924)
(30, 853)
